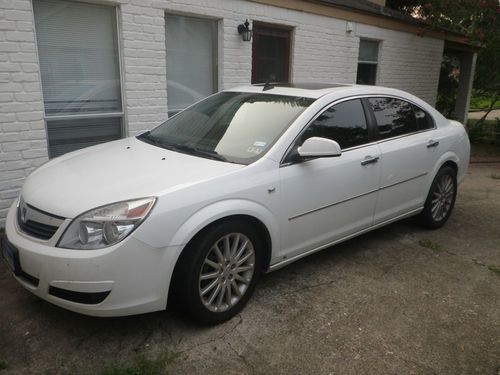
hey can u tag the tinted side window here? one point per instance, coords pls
(344, 122)
(424, 120)
(394, 117)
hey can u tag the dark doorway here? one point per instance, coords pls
(270, 53)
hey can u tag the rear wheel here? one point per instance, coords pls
(441, 199)
(218, 271)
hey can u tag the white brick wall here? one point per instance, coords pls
(407, 61)
(143, 61)
(23, 145)
(321, 51)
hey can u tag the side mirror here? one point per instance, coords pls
(317, 147)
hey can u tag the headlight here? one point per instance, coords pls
(106, 225)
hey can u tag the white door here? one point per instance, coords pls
(409, 150)
(325, 199)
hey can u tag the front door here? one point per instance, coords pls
(326, 199)
(270, 53)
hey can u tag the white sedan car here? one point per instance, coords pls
(244, 182)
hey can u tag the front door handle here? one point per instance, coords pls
(432, 143)
(369, 160)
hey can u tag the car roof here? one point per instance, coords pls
(317, 90)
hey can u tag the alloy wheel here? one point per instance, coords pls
(442, 197)
(226, 272)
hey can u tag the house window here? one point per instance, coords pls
(79, 64)
(367, 62)
(270, 53)
(191, 60)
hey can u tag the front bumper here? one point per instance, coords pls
(128, 278)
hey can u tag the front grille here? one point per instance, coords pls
(38, 230)
(37, 223)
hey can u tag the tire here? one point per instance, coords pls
(440, 199)
(199, 297)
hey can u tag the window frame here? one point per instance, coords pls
(285, 160)
(374, 120)
(374, 136)
(120, 114)
(379, 44)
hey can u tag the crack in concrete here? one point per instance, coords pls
(307, 287)
(218, 338)
(243, 358)
(472, 260)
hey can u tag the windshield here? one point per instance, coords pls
(229, 126)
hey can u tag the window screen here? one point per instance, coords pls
(191, 60)
(78, 52)
(394, 117)
(344, 123)
(367, 62)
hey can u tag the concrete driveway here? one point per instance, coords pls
(399, 300)
(491, 116)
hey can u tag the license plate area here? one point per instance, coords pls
(11, 255)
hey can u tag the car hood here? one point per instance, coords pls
(129, 168)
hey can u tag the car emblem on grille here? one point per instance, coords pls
(24, 211)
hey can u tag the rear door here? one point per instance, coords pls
(409, 150)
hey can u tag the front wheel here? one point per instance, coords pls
(218, 271)
(441, 199)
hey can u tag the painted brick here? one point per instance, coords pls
(19, 77)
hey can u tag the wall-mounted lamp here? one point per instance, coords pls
(245, 32)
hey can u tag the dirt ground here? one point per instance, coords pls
(399, 300)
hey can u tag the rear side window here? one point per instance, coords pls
(424, 120)
(344, 123)
(394, 117)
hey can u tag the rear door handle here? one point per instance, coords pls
(432, 143)
(369, 160)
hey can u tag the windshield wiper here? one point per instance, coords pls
(148, 138)
(196, 151)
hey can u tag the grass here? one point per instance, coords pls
(495, 269)
(480, 102)
(482, 150)
(3, 365)
(486, 132)
(428, 244)
(472, 121)
(141, 365)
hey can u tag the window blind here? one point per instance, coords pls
(368, 50)
(191, 60)
(78, 55)
(79, 65)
